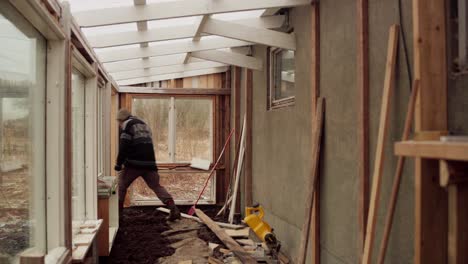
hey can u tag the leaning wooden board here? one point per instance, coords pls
(239, 251)
(317, 136)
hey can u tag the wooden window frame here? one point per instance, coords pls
(272, 102)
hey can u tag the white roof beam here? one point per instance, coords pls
(118, 76)
(255, 35)
(183, 8)
(230, 58)
(271, 11)
(170, 48)
(158, 61)
(170, 33)
(170, 76)
(198, 33)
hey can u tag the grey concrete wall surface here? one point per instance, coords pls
(282, 137)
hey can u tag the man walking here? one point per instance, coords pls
(136, 158)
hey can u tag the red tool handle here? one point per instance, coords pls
(214, 167)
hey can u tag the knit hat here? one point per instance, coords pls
(123, 114)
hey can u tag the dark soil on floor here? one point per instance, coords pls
(139, 239)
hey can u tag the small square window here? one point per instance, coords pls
(281, 88)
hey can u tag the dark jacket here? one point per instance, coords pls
(136, 148)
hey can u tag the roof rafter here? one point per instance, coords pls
(251, 34)
(183, 8)
(170, 33)
(230, 58)
(170, 76)
(118, 76)
(170, 48)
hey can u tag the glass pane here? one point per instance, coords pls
(183, 186)
(78, 128)
(284, 63)
(155, 112)
(22, 135)
(194, 122)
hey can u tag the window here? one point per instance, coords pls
(101, 93)
(281, 91)
(182, 129)
(78, 143)
(22, 135)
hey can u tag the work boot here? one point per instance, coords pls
(174, 214)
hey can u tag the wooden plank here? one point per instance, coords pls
(103, 234)
(152, 62)
(458, 223)
(170, 91)
(231, 58)
(31, 256)
(433, 150)
(182, 46)
(398, 173)
(248, 192)
(224, 225)
(166, 70)
(381, 138)
(238, 233)
(173, 9)
(247, 33)
(315, 81)
(173, 32)
(317, 127)
(363, 117)
(227, 240)
(171, 76)
(430, 67)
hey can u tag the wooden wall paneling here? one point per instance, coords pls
(237, 103)
(430, 67)
(363, 117)
(203, 81)
(211, 80)
(187, 82)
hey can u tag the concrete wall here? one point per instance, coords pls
(281, 138)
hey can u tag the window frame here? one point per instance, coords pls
(165, 167)
(56, 147)
(173, 138)
(37, 199)
(272, 102)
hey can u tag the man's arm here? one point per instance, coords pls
(124, 144)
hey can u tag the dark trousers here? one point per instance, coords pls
(151, 177)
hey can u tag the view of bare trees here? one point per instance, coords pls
(193, 139)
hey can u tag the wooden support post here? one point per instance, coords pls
(315, 85)
(363, 117)
(248, 142)
(380, 153)
(227, 240)
(317, 126)
(430, 67)
(458, 223)
(398, 173)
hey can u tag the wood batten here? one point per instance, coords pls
(430, 67)
(171, 91)
(231, 58)
(175, 9)
(170, 48)
(172, 76)
(171, 33)
(165, 70)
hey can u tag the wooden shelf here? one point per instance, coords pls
(433, 150)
